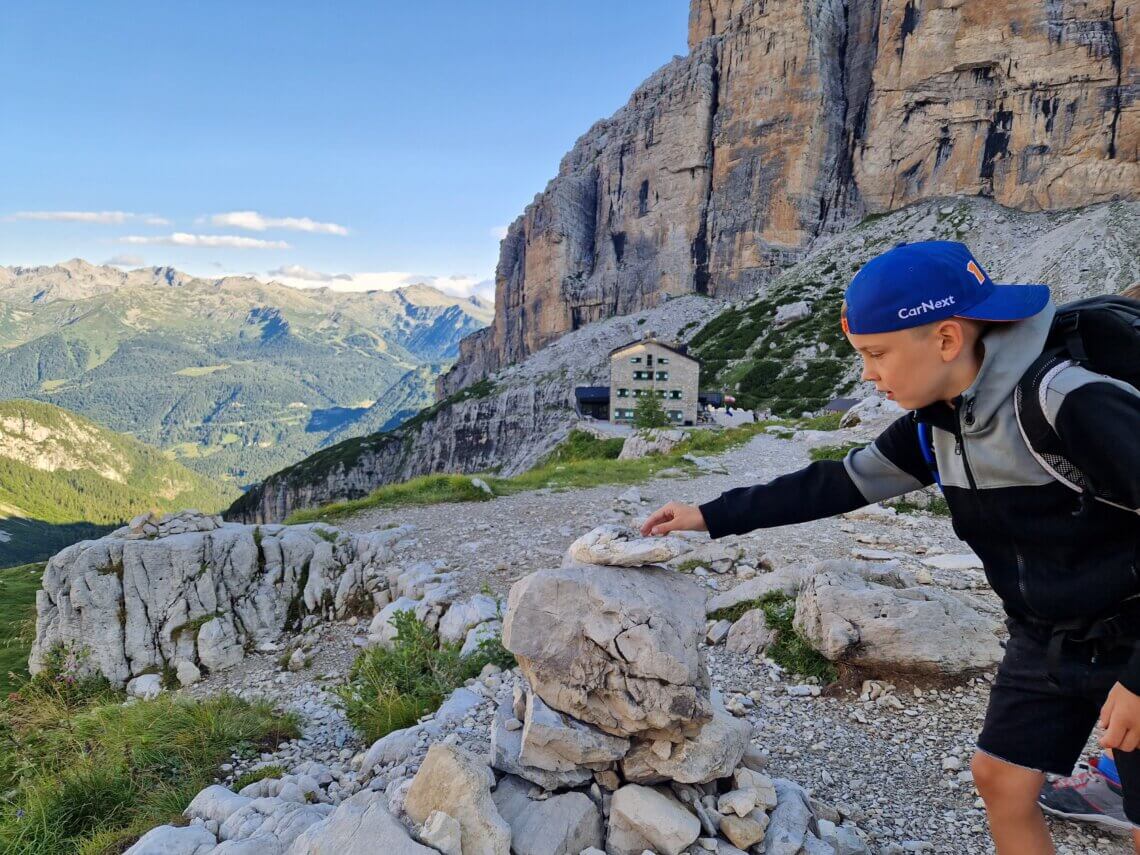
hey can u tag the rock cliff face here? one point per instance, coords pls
(792, 118)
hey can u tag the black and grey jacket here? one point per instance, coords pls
(1049, 556)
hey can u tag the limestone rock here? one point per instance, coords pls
(202, 594)
(394, 747)
(787, 580)
(718, 632)
(645, 818)
(873, 413)
(459, 784)
(215, 803)
(560, 825)
(791, 821)
(751, 634)
(559, 743)
(619, 546)
(506, 746)
(488, 631)
(712, 753)
(614, 647)
(643, 443)
(382, 631)
(283, 820)
(187, 672)
(789, 314)
(171, 840)
(874, 625)
(145, 688)
(465, 616)
(355, 828)
(442, 832)
(744, 831)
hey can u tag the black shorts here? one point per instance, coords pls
(1034, 724)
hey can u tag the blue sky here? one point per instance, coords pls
(381, 140)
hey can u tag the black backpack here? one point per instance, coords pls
(1101, 334)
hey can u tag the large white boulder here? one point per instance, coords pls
(200, 593)
(887, 624)
(358, 827)
(171, 840)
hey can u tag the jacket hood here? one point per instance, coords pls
(1010, 349)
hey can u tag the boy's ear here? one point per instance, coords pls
(951, 339)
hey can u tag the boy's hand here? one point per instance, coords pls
(1120, 718)
(674, 517)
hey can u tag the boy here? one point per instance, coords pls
(940, 338)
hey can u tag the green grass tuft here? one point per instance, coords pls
(790, 651)
(18, 586)
(390, 689)
(255, 775)
(84, 773)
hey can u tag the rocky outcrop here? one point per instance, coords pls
(790, 119)
(887, 622)
(468, 434)
(189, 592)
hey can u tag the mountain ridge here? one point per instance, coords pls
(236, 376)
(63, 477)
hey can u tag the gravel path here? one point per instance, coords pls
(903, 773)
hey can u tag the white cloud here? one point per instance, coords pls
(105, 217)
(296, 271)
(499, 232)
(184, 239)
(255, 222)
(125, 261)
(100, 217)
(458, 285)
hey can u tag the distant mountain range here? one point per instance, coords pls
(64, 478)
(234, 377)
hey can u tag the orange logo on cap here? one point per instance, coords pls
(977, 271)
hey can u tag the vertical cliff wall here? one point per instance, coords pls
(792, 118)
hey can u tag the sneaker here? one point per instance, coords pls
(1085, 796)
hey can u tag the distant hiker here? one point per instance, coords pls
(1028, 416)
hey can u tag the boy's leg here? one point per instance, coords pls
(1128, 765)
(1033, 725)
(1010, 793)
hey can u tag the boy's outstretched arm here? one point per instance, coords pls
(890, 466)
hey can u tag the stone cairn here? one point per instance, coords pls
(616, 741)
(613, 741)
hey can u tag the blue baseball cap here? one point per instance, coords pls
(917, 283)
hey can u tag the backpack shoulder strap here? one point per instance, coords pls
(926, 445)
(1039, 432)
